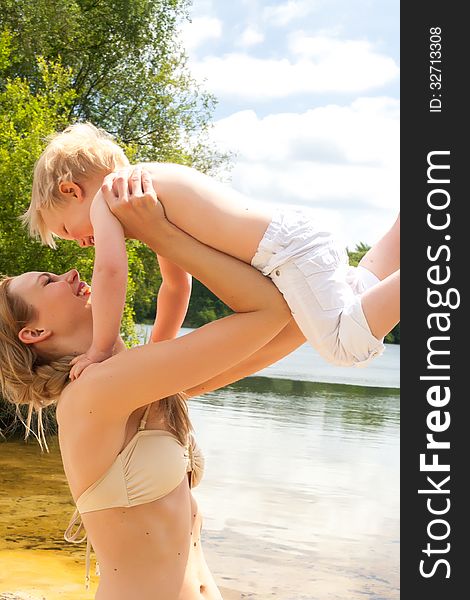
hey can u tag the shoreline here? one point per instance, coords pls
(227, 594)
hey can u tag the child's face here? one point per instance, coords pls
(71, 221)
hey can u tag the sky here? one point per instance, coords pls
(308, 102)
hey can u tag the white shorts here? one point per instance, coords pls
(312, 272)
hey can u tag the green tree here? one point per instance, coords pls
(204, 307)
(128, 70)
(356, 254)
(26, 118)
(118, 64)
(127, 73)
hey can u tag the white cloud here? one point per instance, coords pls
(202, 8)
(320, 64)
(342, 160)
(282, 14)
(200, 30)
(250, 37)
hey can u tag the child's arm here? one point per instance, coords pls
(172, 301)
(108, 284)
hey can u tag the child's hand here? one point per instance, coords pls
(81, 362)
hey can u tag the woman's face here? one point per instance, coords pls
(63, 322)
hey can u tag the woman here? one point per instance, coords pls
(151, 548)
(132, 488)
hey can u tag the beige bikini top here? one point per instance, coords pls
(150, 466)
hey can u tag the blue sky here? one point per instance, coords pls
(308, 100)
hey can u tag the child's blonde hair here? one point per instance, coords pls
(80, 151)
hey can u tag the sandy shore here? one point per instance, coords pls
(226, 593)
(234, 595)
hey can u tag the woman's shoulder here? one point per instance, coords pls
(79, 398)
(88, 421)
(68, 404)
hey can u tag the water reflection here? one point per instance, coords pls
(354, 405)
(307, 471)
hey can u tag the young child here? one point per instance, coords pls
(66, 204)
(343, 312)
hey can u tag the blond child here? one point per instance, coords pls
(343, 312)
(65, 204)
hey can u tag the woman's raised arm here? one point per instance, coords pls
(285, 342)
(141, 375)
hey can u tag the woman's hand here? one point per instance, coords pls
(133, 200)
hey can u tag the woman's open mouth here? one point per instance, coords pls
(83, 289)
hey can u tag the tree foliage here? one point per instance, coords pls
(118, 64)
(128, 71)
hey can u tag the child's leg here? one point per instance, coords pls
(381, 305)
(383, 258)
(325, 294)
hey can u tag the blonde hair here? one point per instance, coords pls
(73, 155)
(27, 378)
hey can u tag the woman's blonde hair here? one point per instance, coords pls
(27, 378)
(80, 151)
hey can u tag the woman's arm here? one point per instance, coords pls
(142, 375)
(288, 340)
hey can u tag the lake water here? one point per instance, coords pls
(300, 496)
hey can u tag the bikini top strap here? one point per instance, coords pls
(143, 421)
